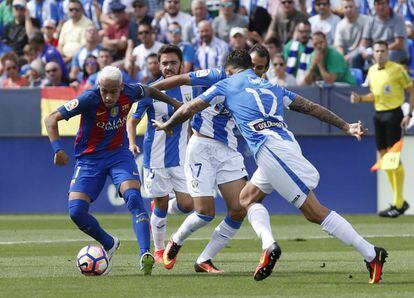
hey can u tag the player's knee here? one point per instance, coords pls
(77, 210)
(133, 200)
(186, 206)
(206, 212)
(237, 212)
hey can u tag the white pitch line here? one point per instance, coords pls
(197, 239)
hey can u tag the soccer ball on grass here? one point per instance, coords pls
(92, 260)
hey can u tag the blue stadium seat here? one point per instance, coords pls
(358, 75)
(410, 43)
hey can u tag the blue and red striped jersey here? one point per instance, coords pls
(101, 129)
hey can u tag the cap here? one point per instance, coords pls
(49, 23)
(145, 2)
(237, 30)
(116, 6)
(21, 3)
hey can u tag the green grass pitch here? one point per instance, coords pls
(37, 259)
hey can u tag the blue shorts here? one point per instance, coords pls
(90, 171)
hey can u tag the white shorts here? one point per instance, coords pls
(282, 167)
(159, 182)
(209, 163)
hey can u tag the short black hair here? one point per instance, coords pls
(169, 48)
(37, 39)
(152, 55)
(261, 51)
(381, 42)
(275, 41)
(319, 33)
(239, 59)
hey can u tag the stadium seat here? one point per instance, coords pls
(358, 75)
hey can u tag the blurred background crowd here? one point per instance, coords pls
(67, 42)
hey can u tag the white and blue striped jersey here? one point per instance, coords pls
(212, 55)
(256, 105)
(162, 150)
(214, 122)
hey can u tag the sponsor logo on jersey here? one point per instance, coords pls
(125, 107)
(114, 111)
(295, 199)
(111, 125)
(387, 89)
(70, 105)
(268, 124)
(202, 73)
(220, 108)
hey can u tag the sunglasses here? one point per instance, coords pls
(286, 2)
(51, 70)
(11, 67)
(19, 7)
(143, 32)
(175, 31)
(74, 9)
(227, 4)
(278, 64)
(138, 5)
(90, 63)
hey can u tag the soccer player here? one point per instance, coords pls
(164, 155)
(212, 159)
(388, 81)
(257, 107)
(101, 149)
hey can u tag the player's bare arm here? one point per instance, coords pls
(185, 112)
(406, 120)
(51, 123)
(305, 106)
(172, 82)
(158, 95)
(132, 132)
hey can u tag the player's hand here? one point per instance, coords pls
(356, 130)
(355, 97)
(61, 158)
(405, 122)
(134, 149)
(160, 126)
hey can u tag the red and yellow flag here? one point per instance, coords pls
(391, 159)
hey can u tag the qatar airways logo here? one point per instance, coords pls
(111, 125)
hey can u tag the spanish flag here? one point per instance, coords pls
(391, 159)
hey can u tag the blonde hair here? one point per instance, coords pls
(111, 73)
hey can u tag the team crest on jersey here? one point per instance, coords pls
(194, 183)
(387, 89)
(125, 107)
(114, 111)
(187, 97)
(202, 73)
(70, 105)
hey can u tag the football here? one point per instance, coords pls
(92, 260)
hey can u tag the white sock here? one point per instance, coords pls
(219, 239)
(173, 207)
(260, 221)
(340, 228)
(159, 229)
(191, 224)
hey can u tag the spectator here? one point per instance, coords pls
(115, 37)
(43, 10)
(175, 37)
(213, 7)
(46, 52)
(93, 11)
(348, 33)
(282, 78)
(326, 64)
(297, 52)
(91, 47)
(140, 15)
(284, 23)
(12, 79)
(200, 13)
(89, 67)
(325, 21)
(50, 33)
(139, 54)
(385, 25)
(16, 33)
(238, 39)
(273, 46)
(4, 49)
(248, 7)
(6, 13)
(153, 66)
(259, 23)
(36, 73)
(170, 14)
(72, 36)
(29, 55)
(54, 76)
(212, 51)
(228, 19)
(104, 59)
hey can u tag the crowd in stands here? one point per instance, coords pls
(67, 42)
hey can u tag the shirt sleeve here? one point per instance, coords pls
(288, 97)
(214, 95)
(206, 77)
(142, 107)
(188, 54)
(139, 91)
(76, 106)
(405, 79)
